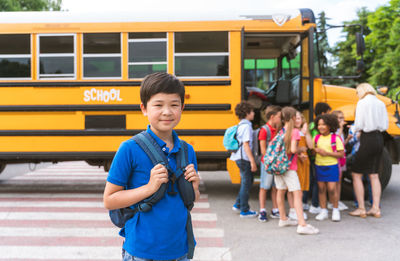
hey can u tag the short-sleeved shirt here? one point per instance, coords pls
(295, 137)
(262, 135)
(244, 134)
(159, 234)
(324, 142)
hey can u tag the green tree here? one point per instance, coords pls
(30, 5)
(384, 44)
(345, 54)
(323, 45)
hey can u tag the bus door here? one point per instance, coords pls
(271, 71)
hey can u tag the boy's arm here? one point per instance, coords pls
(115, 196)
(263, 147)
(247, 150)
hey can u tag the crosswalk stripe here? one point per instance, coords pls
(59, 178)
(88, 232)
(212, 253)
(61, 204)
(81, 216)
(51, 195)
(53, 253)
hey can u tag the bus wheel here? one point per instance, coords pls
(107, 165)
(385, 172)
(2, 167)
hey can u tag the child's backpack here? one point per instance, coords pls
(256, 143)
(230, 141)
(150, 146)
(276, 160)
(341, 161)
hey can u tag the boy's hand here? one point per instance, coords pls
(253, 166)
(158, 176)
(191, 176)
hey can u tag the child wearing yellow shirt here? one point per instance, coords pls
(329, 148)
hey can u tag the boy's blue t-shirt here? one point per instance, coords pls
(159, 234)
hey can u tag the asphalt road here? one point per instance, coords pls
(351, 239)
(248, 239)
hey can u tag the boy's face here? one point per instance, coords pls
(163, 111)
(276, 119)
(250, 115)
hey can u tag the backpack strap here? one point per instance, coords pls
(316, 139)
(333, 142)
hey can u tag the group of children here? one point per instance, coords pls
(320, 145)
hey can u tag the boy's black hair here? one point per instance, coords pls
(242, 109)
(160, 82)
(330, 120)
(321, 107)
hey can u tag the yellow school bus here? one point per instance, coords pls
(69, 83)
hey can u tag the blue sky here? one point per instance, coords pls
(337, 10)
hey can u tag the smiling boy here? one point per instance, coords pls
(159, 234)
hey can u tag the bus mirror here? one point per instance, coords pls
(360, 66)
(360, 44)
(383, 90)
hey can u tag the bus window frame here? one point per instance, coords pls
(74, 55)
(147, 40)
(228, 54)
(30, 56)
(83, 56)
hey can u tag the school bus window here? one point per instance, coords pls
(147, 54)
(260, 73)
(201, 54)
(56, 56)
(15, 56)
(102, 55)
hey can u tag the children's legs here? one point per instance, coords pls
(314, 187)
(358, 189)
(322, 194)
(298, 205)
(290, 199)
(339, 186)
(273, 197)
(332, 191)
(376, 190)
(262, 197)
(245, 184)
(280, 199)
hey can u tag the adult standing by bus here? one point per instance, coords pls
(371, 120)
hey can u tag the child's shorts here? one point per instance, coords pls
(327, 173)
(289, 181)
(266, 180)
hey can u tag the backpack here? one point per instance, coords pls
(150, 146)
(230, 141)
(256, 143)
(276, 160)
(341, 161)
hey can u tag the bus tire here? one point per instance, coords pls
(2, 167)
(385, 172)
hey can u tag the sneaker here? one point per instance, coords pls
(314, 210)
(335, 215)
(274, 214)
(307, 230)
(248, 214)
(292, 214)
(330, 206)
(322, 215)
(342, 206)
(305, 215)
(262, 217)
(306, 206)
(235, 208)
(287, 222)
